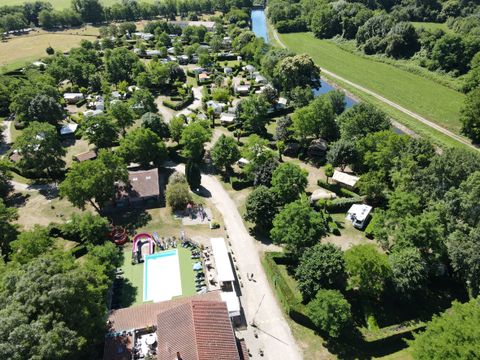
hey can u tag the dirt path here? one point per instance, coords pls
(258, 300)
(388, 102)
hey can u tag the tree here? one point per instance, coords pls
(300, 96)
(86, 228)
(329, 171)
(91, 11)
(297, 70)
(8, 230)
(123, 114)
(252, 113)
(100, 131)
(225, 152)
(94, 181)
(288, 182)
(49, 50)
(176, 127)
(330, 312)
(261, 208)
(298, 226)
(337, 99)
(452, 335)
(142, 146)
(177, 193)
(316, 119)
(193, 138)
(361, 120)
(31, 244)
(367, 269)
(409, 271)
(342, 153)
(463, 250)
(121, 64)
(5, 177)
(194, 177)
(41, 149)
(283, 130)
(142, 101)
(471, 115)
(156, 123)
(45, 108)
(321, 266)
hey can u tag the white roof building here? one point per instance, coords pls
(222, 260)
(68, 129)
(143, 36)
(344, 178)
(73, 97)
(227, 118)
(233, 304)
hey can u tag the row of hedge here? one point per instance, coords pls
(179, 105)
(339, 190)
(239, 183)
(339, 204)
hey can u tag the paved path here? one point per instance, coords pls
(388, 102)
(274, 334)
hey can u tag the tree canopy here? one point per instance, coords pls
(142, 146)
(288, 182)
(225, 152)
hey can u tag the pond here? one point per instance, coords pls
(259, 28)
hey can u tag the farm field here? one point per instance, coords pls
(431, 100)
(21, 50)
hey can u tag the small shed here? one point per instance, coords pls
(87, 155)
(72, 98)
(242, 89)
(203, 77)
(345, 179)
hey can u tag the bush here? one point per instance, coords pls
(239, 184)
(81, 102)
(179, 105)
(336, 188)
(340, 204)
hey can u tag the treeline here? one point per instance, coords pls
(41, 13)
(385, 28)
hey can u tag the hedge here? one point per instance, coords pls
(80, 103)
(179, 105)
(340, 204)
(336, 188)
(240, 184)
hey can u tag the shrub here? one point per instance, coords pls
(340, 204)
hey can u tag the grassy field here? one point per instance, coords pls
(22, 50)
(431, 26)
(426, 97)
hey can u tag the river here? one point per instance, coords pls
(260, 29)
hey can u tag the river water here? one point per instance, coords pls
(259, 27)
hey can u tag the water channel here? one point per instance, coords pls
(259, 27)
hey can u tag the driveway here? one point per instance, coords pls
(258, 300)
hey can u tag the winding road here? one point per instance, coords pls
(388, 102)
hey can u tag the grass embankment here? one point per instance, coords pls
(60, 4)
(21, 50)
(431, 26)
(431, 100)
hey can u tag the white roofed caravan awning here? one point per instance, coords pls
(344, 178)
(233, 304)
(222, 260)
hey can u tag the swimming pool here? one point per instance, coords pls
(161, 276)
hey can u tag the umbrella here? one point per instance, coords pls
(197, 266)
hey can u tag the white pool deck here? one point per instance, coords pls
(161, 276)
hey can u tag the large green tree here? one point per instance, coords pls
(409, 271)
(40, 149)
(101, 131)
(298, 226)
(94, 181)
(261, 208)
(156, 123)
(8, 229)
(288, 182)
(123, 114)
(194, 136)
(142, 146)
(321, 266)
(471, 115)
(225, 152)
(87, 228)
(361, 120)
(368, 270)
(451, 335)
(330, 312)
(252, 113)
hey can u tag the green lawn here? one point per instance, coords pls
(431, 26)
(435, 102)
(133, 274)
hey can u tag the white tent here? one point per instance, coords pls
(68, 129)
(344, 178)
